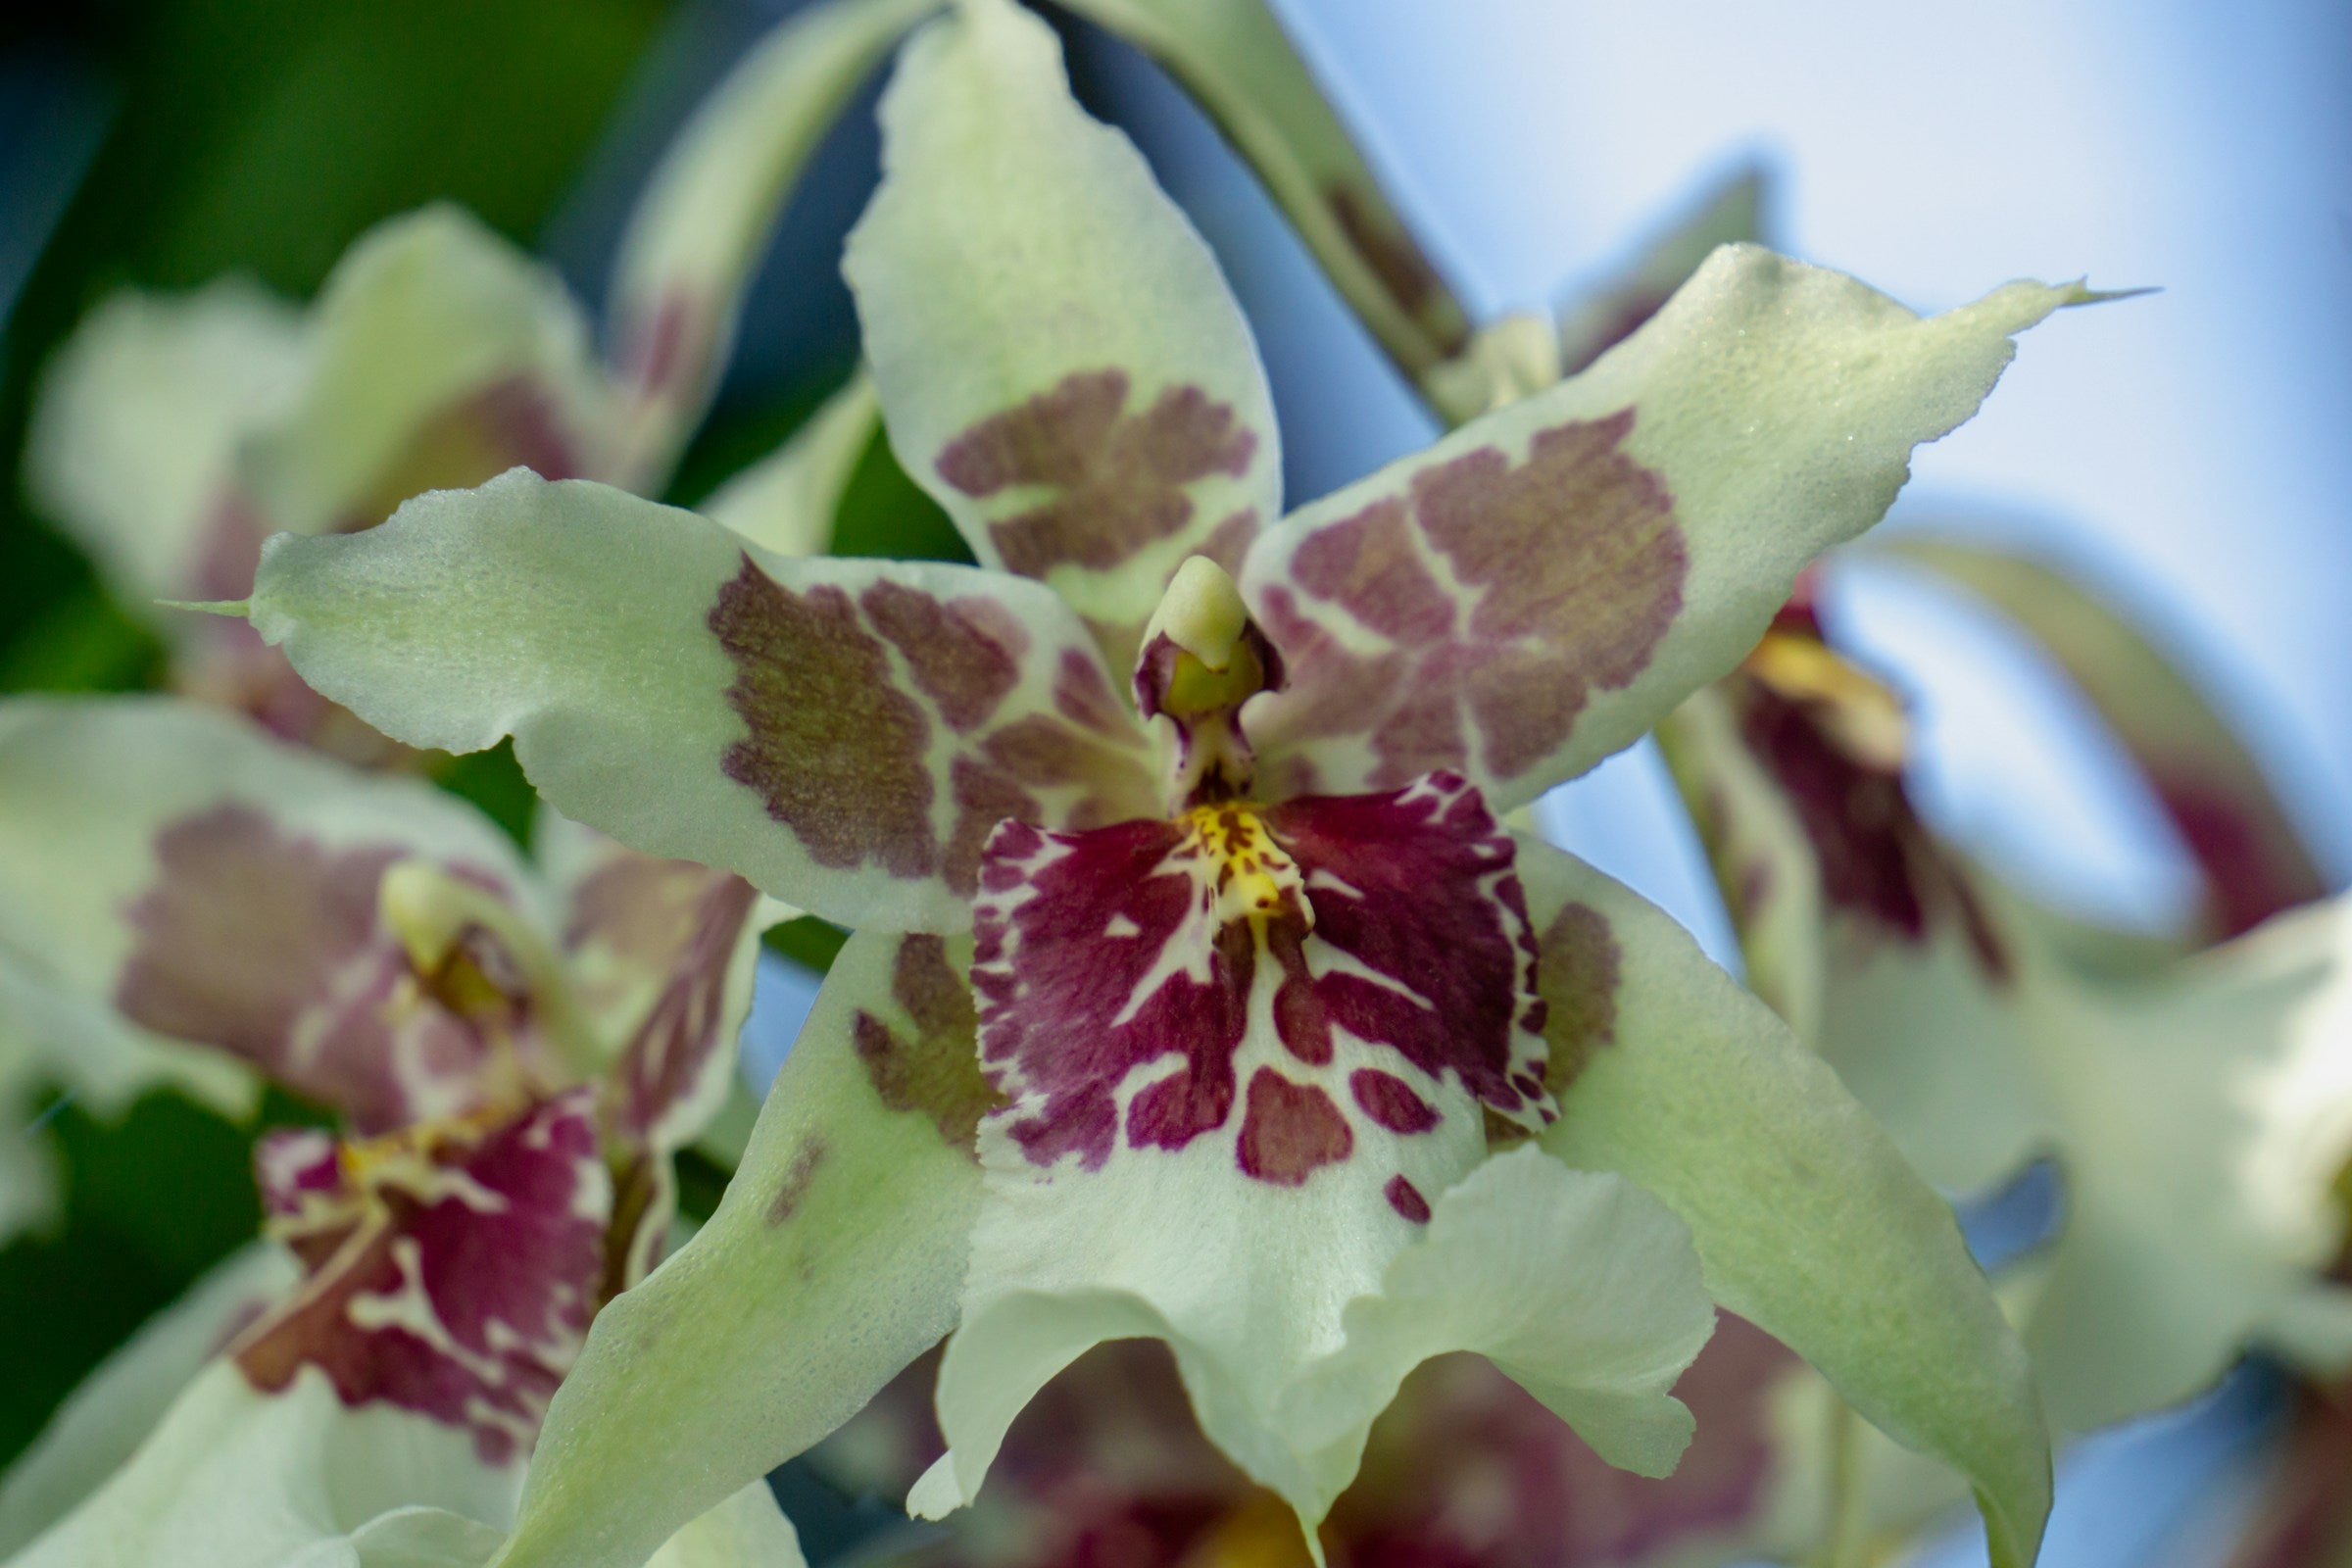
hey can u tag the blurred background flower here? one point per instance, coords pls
(2184, 451)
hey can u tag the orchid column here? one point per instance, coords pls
(1264, 1039)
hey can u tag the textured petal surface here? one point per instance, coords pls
(832, 1261)
(439, 355)
(696, 235)
(1607, 312)
(1807, 1219)
(1542, 586)
(1059, 360)
(2254, 859)
(1290, 1024)
(842, 733)
(1235, 58)
(172, 874)
(138, 422)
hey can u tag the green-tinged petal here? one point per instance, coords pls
(832, 1261)
(697, 234)
(1235, 58)
(2255, 861)
(747, 1531)
(1060, 363)
(1807, 1219)
(1251, 1059)
(1541, 587)
(2199, 1112)
(1765, 868)
(787, 501)
(168, 873)
(842, 733)
(104, 1420)
(439, 355)
(1607, 312)
(233, 1478)
(661, 956)
(2202, 1122)
(138, 418)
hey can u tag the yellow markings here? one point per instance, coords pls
(1861, 711)
(1253, 876)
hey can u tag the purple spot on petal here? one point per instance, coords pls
(836, 750)
(1120, 476)
(1406, 1200)
(1290, 1131)
(1390, 1101)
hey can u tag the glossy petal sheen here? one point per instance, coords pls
(842, 733)
(1807, 1219)
(832, 1261)
(1542, 586)
(1059, 360)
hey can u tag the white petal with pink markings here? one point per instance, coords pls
(1244, 1024)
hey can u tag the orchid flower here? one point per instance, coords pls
(1106, 1465)
(2199, 1111)
(174, 434)
(1268, 1041)
(514, 1055)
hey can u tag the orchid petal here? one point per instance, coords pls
(2255, 861)
(1236, 59)
(234, 1478)
(1606, 313)
(137, 425)
(747, 1531)
(103, 1422)
(1541, 587)
(2196, 1111)
(662, 954)
(842, 733)
(831, 1262)
(1222, 1030)
(172, 874)
(1060, 363)
(439, 355)
(789, 500)
(696, 235)
(2203, 1123)
(1807, 1219)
